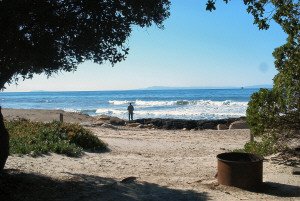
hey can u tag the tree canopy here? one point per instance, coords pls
(47, 36)
(277, 110)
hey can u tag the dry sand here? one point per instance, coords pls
(150, 164)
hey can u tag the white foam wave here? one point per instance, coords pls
(115, 102)
(196, 109)
(141, 103)
(190, 113)
(199, 111)
(111, 112)
(220, 103)
(154, 103)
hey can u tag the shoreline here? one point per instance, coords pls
(48, 115)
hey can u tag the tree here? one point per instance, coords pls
(276, 112)
(48, 36)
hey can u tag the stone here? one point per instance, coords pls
(107, 126)
(102, 117)
(184, 123)
(99, 120)
(239, 125)
(296, 170)
(98, 123)
(148, 125)
(133, 124)
(128, 180)
(116, 121)
(141, 126)
(222, 127)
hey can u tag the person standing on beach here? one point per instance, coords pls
(130, 111)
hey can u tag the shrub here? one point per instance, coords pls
(80, 136)
(267, 146)
(40, 138)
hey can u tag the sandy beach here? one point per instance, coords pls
(147, 164)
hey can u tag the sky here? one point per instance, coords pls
(197, 48)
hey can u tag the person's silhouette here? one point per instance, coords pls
(130, 111)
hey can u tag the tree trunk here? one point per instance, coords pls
(5, 76)
(4, 143)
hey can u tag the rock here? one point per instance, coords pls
(222, 127)
(148, 125)
(98, 123)
(133, 124)
(296, 171)
(117, 121)
(128, 180)
(102, 117)
(141, 126)
(169, 124)
(239, 125)
(99, 120)
(108, 125)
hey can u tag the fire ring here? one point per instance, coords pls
(242, 170)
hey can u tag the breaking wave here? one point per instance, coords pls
(178, 103)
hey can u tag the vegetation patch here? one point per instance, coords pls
(37, 138)
(267, 146)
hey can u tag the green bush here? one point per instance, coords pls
(276, 111)
(80, 136)
(267, 146)
(37, 138)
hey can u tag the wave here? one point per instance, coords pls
(115, 102)
(87, 111)
(140, 103)
(111, 112)
(191, 112)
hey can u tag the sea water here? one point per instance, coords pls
(179, 104)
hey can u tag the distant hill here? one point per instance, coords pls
(176, 88)
(268, 86)
(209, 87)
(39, 91)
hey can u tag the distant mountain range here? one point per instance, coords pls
(228, 87)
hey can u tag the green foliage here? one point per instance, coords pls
(267, 146)
(262, 111)
(37, 138)
(80, 136)
(210, 5)
(276, 111)
(51, 36)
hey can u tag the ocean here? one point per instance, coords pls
(177, 104)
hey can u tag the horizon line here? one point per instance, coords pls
(157, 88)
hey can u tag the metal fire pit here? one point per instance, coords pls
(242, 170)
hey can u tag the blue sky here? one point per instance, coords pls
(196, 48)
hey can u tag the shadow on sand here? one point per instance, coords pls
(279, 190)
(15, 185)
